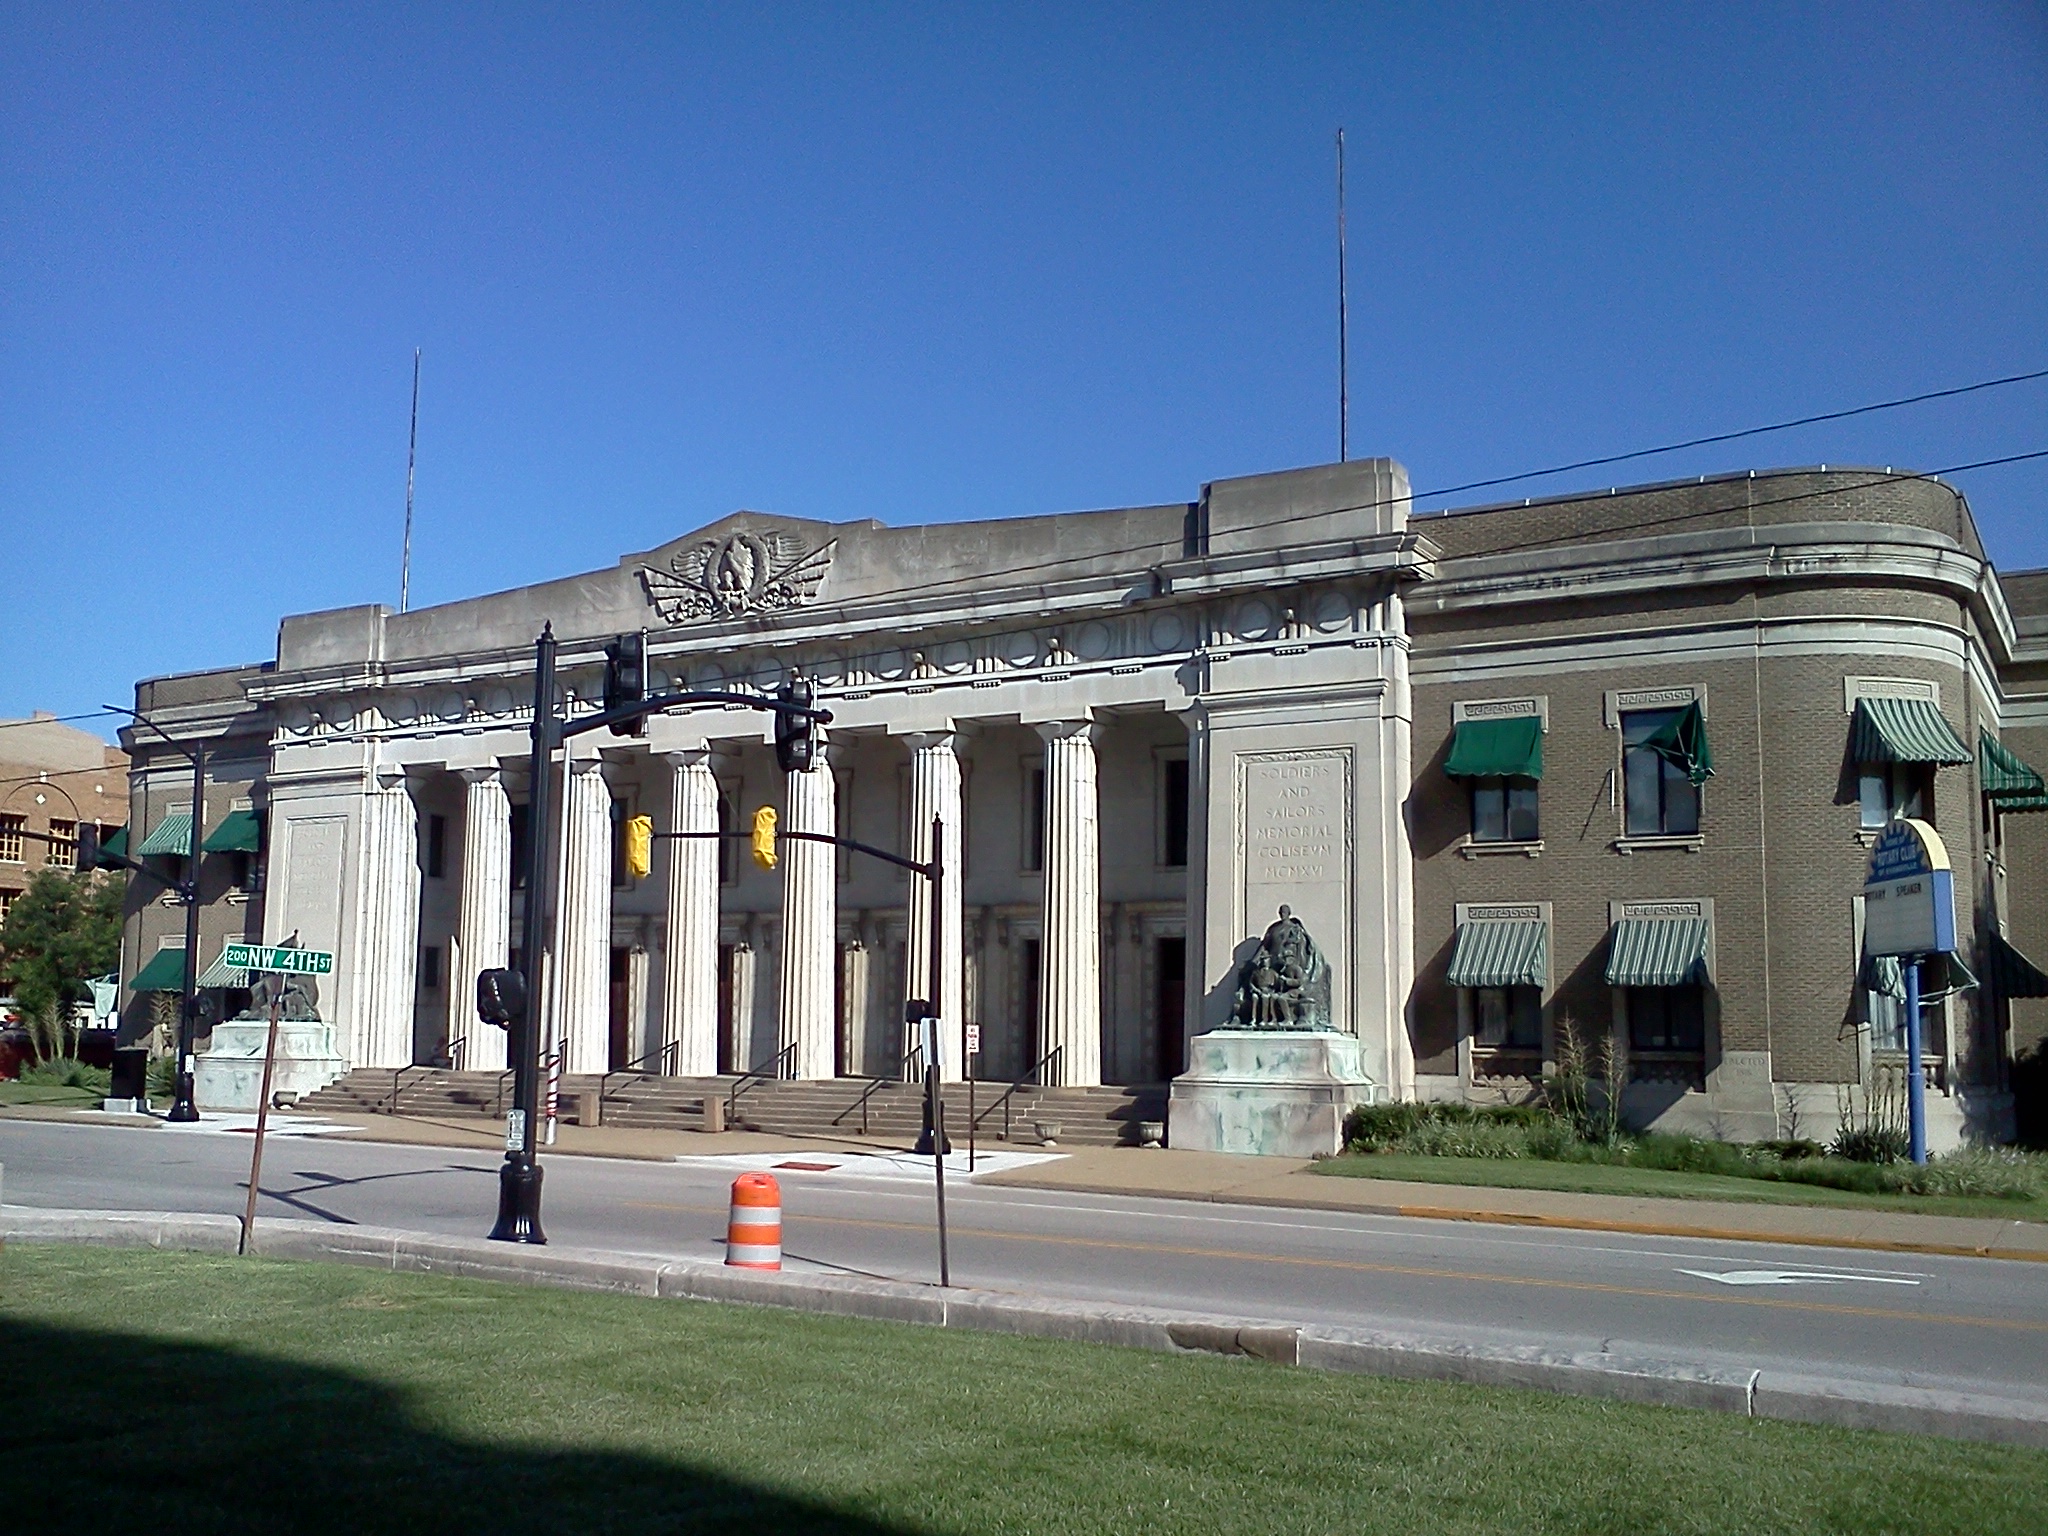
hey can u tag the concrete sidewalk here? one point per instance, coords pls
(1270, 1181)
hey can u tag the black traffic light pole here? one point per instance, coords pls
(626, 704)
(183, 1108)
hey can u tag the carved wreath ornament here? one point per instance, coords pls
(740, 574)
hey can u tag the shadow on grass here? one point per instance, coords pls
(109, 1432)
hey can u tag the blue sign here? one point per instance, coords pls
(1909, 896)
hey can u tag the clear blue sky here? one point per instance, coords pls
(946, 263)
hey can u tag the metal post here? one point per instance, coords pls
(183, 1108)
(519, 1180)
(263, 1118)
(1916, 1088)
(931, 1067)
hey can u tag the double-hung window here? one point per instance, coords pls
(1660, 794)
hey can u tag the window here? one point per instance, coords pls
(1504, 810)
(10, 838)
(437, 847)
(1887, 791)
(1508, 1018)
(620, 811)
(1173, 811)
(726, 876)
(1666, 1019)
(1032, 854)
(62, 849)
(522, 835)
(1658, 799)
(7, 900)
(430, 968)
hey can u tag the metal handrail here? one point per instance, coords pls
(398, 1081)
(875, 1085)
(1034, 1076)
(780, 1069)
(667, 1051)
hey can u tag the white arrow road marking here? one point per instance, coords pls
(1788, 1277)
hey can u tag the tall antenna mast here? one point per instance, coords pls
(411, 451)
(1343, 322)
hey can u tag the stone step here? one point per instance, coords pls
(1103, 1116)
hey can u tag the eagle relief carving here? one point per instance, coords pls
(743, 573)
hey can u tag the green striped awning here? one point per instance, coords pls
(1497, 749)
(1658, 952)
(1903, 731)
(2004, 777)
(173, 835)
(115, 843)
(2012, 973)
(1501, 954)
(240, 833)
(164, 973)
(220, 973)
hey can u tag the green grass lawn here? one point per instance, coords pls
(1608, 1179)
(47, 1093)
(174, 1392)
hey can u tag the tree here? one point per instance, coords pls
(59, 931)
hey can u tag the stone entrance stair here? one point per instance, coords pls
(855, 1107)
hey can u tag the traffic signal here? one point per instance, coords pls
(501, 997)
(796, 736)
(625, 680)
(764, 837)
(88, 853)
(639, 846)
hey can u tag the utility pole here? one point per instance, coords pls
(412, 444)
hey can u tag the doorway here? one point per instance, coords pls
(621, 1027)
(1030, 1026)
(1170, 1004)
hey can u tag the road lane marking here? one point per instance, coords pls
(1788, 1277)
(1783, 1304)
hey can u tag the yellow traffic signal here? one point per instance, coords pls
(639, 846)
(764, 837)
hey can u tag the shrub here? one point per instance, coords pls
(1793, 1150)
(1689, 1154)
(1873, 1143)
(1999, 1173)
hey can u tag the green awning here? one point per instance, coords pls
(2012, 973)
(164, 973)
(240, 833)
(218, 974)
(1682, 742)
(1903, 731)
(1501, 954)
(1657, 952)
(1940, 976)
(173, 835)
(2005, 778)
(1497, 749)
(115, 844)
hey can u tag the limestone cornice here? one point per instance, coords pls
(1406, 556)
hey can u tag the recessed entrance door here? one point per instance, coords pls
(621, 1033)
(727, 1026)
(1169, 1003)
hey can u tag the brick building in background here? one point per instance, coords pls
(53, 778)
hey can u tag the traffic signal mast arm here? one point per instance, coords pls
(654, 703)
(913, 865)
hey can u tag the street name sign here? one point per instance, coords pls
(269, 957)
(1909, 894)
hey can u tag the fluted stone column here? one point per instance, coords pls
(484, 929)
(1070, 977)
(387, 924)
(810, 924)
(689, 998)
(583, 928)
(935, 793)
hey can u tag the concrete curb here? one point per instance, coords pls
(1661, 1383)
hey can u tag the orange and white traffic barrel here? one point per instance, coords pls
(753, 1232)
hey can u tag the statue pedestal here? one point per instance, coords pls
(229, 1072)
(1267, 1092)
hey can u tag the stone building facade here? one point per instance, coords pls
(1593, 775)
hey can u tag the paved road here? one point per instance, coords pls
(1964, 1324)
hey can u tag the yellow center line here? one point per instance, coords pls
(1360, 1266)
